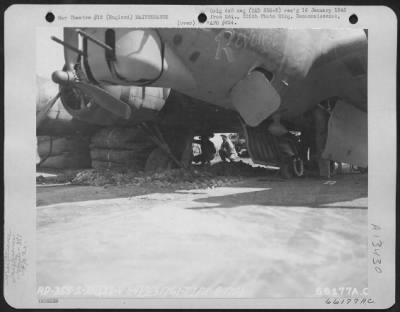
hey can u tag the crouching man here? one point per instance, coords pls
(227, 150)
(208, 150)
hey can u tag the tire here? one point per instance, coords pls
(133, 165)
(157, 160)
(52, 146)
(120, 156)
(120, 138)
(66, 161)
(298, 167)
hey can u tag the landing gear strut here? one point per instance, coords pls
(163, 157)
(291, 163)
(321, 117)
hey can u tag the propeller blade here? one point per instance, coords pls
(42, 114)
(71, 38)
(106, 100)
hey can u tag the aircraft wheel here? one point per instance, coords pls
(157, 160)
(298, 167)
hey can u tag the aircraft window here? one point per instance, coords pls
(177, 39)
(194, 56)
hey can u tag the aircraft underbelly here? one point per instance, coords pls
(215, 71)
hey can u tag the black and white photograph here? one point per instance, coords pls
(203, 161)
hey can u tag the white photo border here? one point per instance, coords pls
(21, 23)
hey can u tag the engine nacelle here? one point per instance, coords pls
(145, 103)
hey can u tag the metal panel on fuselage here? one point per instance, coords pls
(214, 76)
(307, 65)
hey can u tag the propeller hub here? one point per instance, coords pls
(64, 77)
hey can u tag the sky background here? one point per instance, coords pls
(49, 54)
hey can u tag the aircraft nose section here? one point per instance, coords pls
(136, 57)
(139, 55)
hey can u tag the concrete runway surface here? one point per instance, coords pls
(256, 238)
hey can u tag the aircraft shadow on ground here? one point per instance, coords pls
(306, 192)
(311, 193)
